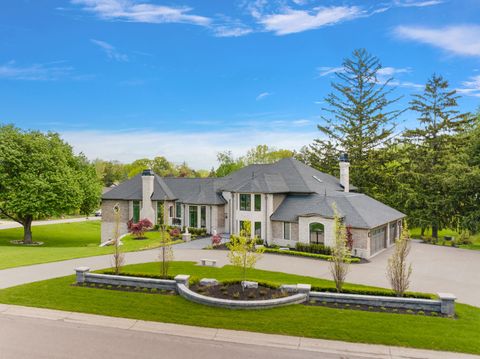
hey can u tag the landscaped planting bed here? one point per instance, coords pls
(235, 291)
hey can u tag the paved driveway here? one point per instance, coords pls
(435, 268)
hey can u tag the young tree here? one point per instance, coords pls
(398, 272)
(340, 260)
(359, 118)
(243, 252)
(166, 251)
(432, 148)
(118, 257)
(39, 177)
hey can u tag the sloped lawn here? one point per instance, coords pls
(460, 334)
(61, 242)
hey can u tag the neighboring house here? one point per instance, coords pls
(285, 202)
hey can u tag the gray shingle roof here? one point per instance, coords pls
(309, 192)
(359, 210)
(285, 176)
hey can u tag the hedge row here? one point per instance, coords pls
(305, 254)
(380, 292)
(313, 248)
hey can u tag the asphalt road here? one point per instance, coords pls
(22, 337)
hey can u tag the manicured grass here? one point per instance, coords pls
(417, 331)
(475, 238)
(61, 242)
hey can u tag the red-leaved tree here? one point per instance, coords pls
(138, 229)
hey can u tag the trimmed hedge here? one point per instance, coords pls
(384, 292)
(141, 275)
(305, 254)
(313, 248)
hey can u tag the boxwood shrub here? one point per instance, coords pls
(305, 254)
(313, 248)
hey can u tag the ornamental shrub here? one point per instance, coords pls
(138, 229)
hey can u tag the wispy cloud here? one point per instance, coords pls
(128, 10)
(127, 146)
(263, 95)
(36, 72)
(459, 39)
(325, 70)
(291, 21)
(110, 50)
(417, 3)
(471, 87)
(231, 28)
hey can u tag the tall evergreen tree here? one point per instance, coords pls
(434, 146)
(359, 118)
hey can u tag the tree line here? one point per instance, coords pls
(429, 168)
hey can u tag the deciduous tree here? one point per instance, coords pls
(39, 177)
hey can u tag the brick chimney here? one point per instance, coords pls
(344, 172)
(147, 210)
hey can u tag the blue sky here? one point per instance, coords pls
(122, 79)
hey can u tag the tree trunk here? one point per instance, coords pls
(435, 231)
(423, 232)
(27, 230)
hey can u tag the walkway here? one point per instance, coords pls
(12, 224)
(435, 268)
(88, 335)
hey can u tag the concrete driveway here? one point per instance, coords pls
(435, 268)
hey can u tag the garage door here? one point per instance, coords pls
(378, 239)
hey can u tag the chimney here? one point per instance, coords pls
(345, 172)
(147, 210)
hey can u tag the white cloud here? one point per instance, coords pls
(416, 3)
(391, 71)
(301, 123)
(325, 70)
(459, 39)
(231, 30)
(36, 72)
(292, 21)
(127, 146)
(129, 10)
(263, 95)
(110, 50)
(471, 87)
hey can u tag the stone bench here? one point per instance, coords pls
(204, 262)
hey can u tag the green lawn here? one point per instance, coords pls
(417, 331)
(475, 238)
(61, 242)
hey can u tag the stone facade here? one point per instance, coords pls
(108, 222)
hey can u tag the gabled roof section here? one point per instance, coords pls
(195, 190)
(285, 176)
(132, 190)
(359, 210)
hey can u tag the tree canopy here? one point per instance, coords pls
(40, 177)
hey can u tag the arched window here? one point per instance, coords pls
(317, 233)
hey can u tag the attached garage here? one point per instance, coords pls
(378, 239)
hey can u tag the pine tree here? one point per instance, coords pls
(359, 118)
(433, 148)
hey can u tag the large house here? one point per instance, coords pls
(285, 202)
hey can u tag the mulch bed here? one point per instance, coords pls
(22, 243)
(235, 291)
(374, 309)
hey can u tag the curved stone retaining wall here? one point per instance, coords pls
(188, 294)
(300, 294)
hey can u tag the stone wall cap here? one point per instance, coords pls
(82, 269)
(304, 287)
(182, 277)
(446, 296)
